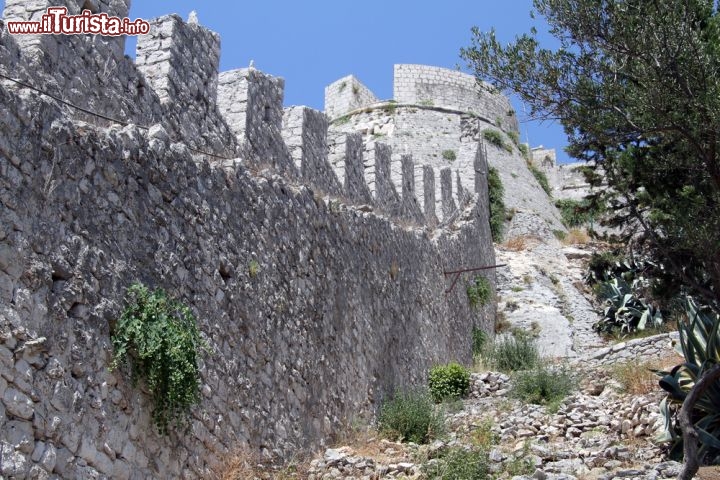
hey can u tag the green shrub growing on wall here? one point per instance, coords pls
(450, 381)
(496, 138)
(541, 178)
(497, 205)
(479, 292)
(159, 338)
(449, 155)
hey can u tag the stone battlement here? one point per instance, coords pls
(239, 113)
(424, 86)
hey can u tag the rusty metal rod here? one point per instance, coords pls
(458, 272)
(474, 269)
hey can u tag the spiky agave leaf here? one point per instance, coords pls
(700, 345)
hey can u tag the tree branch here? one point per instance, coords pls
(690, 435)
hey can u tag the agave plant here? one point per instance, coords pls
(700, 345)
(624, 311)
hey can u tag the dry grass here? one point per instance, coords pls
(245, 465)
(521, 242)
(636, 377)
(576, 236)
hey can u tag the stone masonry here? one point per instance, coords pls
(440, 117)
(313, 263)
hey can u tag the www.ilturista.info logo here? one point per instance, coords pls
(57, 21)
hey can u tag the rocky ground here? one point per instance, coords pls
(601, 431)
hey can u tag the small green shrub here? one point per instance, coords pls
(479, 339)
(410, 416)
(524, 150)
(159, 338)
(449, 155)
(458, 463)
(449, 381)
(511, 353)
(341, 120)
(426, 103)
(522, 463)
(543, 386)
(541, 178)
(479, 292)
(514, 136)
(495, 138)
(390, 108)
(560, 234)
(253, 268)
(497, 204)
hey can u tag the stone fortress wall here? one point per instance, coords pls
(313, 263)
(439, 116)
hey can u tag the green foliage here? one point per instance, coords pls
(511, 353)
(390, 108)
(496, 138)
(625, 312)
(341, 120)
(645, 123)
(515, 137)
(700, 346)
(253, 268)
(497, 204)
(524, 150)
(541, 178)
(410, 416)
(577, 213)
(543, 386)
(449, 381)
(522, 463)
(449, 155)
(479, 292)
(479, 339)
(426, 103)
(159, 337)
(458, 463)
(560, 234)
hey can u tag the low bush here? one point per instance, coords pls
(496, 204)
(479, 339)
(449, 155)
(458, 463)
(543, 386)
(410, 416)
(493, 137)
(479, 292)
(511, 353)
(159, 338)
(449, 381)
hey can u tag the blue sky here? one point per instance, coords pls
(311, 44)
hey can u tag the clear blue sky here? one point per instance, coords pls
(311, 43)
